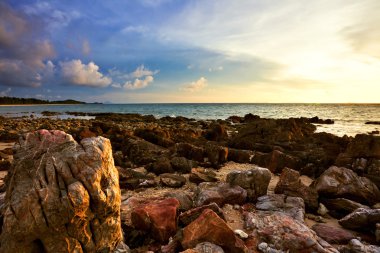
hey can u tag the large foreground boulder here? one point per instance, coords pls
(61, 196)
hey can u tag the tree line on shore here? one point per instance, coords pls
(16, 101)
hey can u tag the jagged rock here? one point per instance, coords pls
(254, 181)
(292, 206)
(190, 215)
(172, 180)
(377, 232)
(285, 233)
(157, 216)
(291, 185)
(340, 207)
(332, 234)
(355, 246)
(221, 193)
(339, 182)
(209, 227)
(62, 196)
(361, 219)
(199, 175)
(364, 146)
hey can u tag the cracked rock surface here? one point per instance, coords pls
(62, 196)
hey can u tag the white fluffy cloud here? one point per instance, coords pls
(77, 73)
(138, 79)
(138, 83)
(141, 71)
(198, 85)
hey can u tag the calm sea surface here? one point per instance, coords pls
(349, 118)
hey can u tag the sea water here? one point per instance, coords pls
(349, 119)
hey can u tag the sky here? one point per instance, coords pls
(189, 51)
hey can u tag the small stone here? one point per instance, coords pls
(241, 233)
(322, 210)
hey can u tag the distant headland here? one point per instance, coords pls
(28, 101)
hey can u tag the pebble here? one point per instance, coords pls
(241, 233)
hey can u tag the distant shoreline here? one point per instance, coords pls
(32, 104)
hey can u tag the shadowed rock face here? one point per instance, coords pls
(61, 196)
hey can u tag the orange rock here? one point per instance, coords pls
(209, 227)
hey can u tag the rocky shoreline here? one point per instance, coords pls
(245, 184)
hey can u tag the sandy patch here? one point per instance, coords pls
(4, 145)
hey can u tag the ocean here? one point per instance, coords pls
(349, 119)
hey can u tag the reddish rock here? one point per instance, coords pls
(209, 227)
(291, 185)
(192, 214)
(339, 182)
(158, 216)
(332, 234)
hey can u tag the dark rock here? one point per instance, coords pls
(63, 196)
(216, 155)
(221, 193)
(216, 132)
(292, 206)
(339, 182)
(190, 215)
(199, 175)
(239, 156)
(254, 181)
(341, 206)
(181, 164)
(157, 136)
(332, 234)
(361, 219)
(184, 198)
(141, 152)
(291, 185)
(209, 227)
(190, 151)
(172, 180)
(162, 165)
(132, 179)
